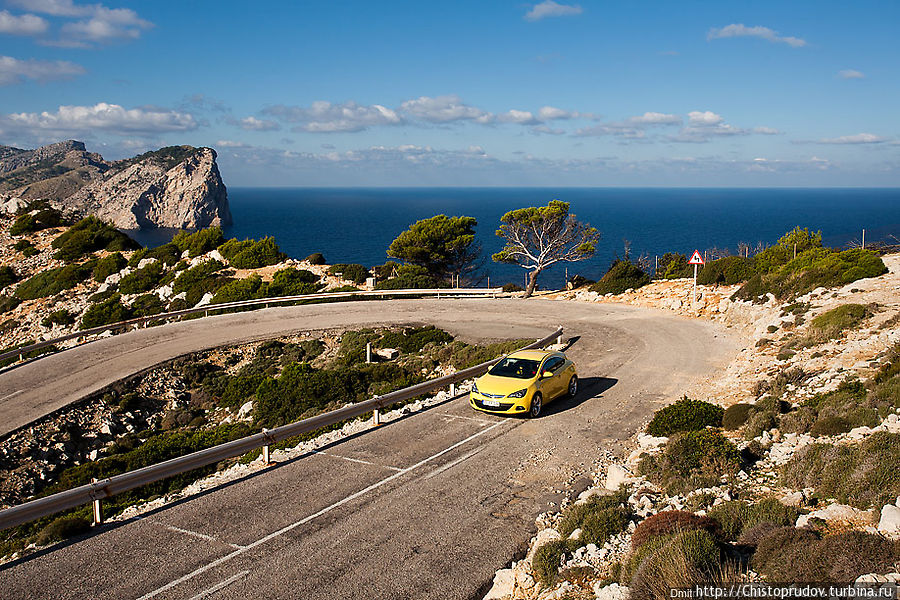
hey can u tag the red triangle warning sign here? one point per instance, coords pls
(696, 259)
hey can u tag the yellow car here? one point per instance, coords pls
(523, 382)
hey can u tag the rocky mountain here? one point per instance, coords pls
(177, 186)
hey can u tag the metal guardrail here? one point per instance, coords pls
(95, 492)
(207, 308)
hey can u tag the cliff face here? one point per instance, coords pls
(178, 187)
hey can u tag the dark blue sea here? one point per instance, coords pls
(358, 224)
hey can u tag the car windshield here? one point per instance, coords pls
(520, 368)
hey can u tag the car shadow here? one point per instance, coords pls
(588, 388)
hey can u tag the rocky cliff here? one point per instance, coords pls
(178, 186)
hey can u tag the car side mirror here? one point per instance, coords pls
(546, 374)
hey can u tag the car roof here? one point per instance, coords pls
(534, 354)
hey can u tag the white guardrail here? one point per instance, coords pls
(264, 302)
(106, 488)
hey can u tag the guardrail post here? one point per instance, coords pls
(98, 509)
(452, 389)
(559, 338)
(266, 457)
(368, 352)
(376, 415)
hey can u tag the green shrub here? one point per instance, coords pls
(43, 219)
(407, 277)
(622, 275)
(760, 421)
(108, 265)
(30, 251)
(864, 475)
(670, 522)
(413, 339)
(352, 272)
(199, 280)
(22, 244)
(830, 426)
(168, 254)
(52, 281)
(252, 254)
(598, 518)
(675, 266)
(199, 242)
(8, 303)
(315, 258)
(142, 280)
(90, 235)
(789, 554)
(692, 459)
(512, 287)
(147, 305)
(546, 561)
(736, 517)
(58, 317)
(7, 276)
(833, 323)
(736, 415)
(685, 415)
(684, 560)
(62, 528)
(103, 313)
(728, 270)
(239, 290)
(293, 282)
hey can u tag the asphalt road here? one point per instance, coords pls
(425, 507)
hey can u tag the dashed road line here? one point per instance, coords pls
(220, 585)
(195, 534)
(450, 465)
(476, 419)
(307, 519)
(357, 460)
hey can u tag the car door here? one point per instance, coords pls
(553, 386)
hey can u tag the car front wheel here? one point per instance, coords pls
(536, 405)
(573, 386)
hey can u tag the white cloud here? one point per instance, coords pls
(325, 117)
(549, 8)
(551, 113)
(655, 118)
(254, 124)
(741, 30)
(859, 138)
(766, 131)
(13, 70)
(707, 118)
(95, 24)
(444, 109)
(543, 129)
(522, 117)
(851, 74)
(632, 128)
(111, 118)
(57, 8)
(21, 25)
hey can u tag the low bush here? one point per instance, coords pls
(691, 460)
(409, 277)
(832, 324)
(142, 280)
(512, 287)
(413, 339)
(598, 518)
(728, 271)
(671, 522)
(58, 317)
(352, 272)
(736, 415)
(684, 560)
(8, 303)
(108, 265)
(22, 245)
(293, 282)
(43, 219)
(622, 275)
(252, 254)
(52, 281)
(547, 560)
(736, 517)
(108, 311)
(789, 554)
(147, 305)
(827, 426)
(7, 276)
(760, 421)
(199, 242)
(315, 258)
(864, 475)
(62, 528)
(168, 254)
(90, 235)
(239, 290)
(685, 415)
(200, 279)
(674, 266)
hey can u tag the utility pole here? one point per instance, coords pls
(864, 240)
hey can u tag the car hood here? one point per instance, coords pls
(492, 384)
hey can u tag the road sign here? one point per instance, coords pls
(696, 259)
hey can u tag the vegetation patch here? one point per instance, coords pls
(691, 460)
(106, 312)
(682, 560)
(670, 522)
(252, 254)
(52, 281)
(108, 265)
(354, 272)
(729, 270)
(44, 218)
(736, 517)
(547, 560)
(142, 280)
(7, 276)
(58, 317)
(832, 324)
(685, 415)
(200, 242)
(621, 276)
(90, 235)
(599, 518)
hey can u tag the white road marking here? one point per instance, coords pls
(309, 518)
(450, 465)
(357, 460)
(8, 396)
(221, 585)
(195, 534)
(477, 420)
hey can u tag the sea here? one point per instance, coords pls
(356, 225)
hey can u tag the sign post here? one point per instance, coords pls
(696, 259)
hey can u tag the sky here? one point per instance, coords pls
(468, 93)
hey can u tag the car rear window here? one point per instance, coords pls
(520, 368)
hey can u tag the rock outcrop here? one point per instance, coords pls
(177, 187)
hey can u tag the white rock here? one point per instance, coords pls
(216, 255)
(616, 475)
(504, 585)
(613, 591)
(543, 536)
(649, 442)
(859, 432)
(165, 292)
(12, 206)
(793, 499)
(145, 262)
(576, 534)
(206, 299)
(889, 524)
(116, 277)
(893, 418)
(245, 410)
(839, 512)
(872, 578)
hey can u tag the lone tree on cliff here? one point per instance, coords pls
(538, 237)
(443, 245)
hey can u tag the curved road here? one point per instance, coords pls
(425, 507)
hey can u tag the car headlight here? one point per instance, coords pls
(475, 387)
(519, 394)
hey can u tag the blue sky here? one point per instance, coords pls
(551, 93)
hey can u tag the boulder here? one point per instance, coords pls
(504, 585)
(613, 591)
(840, 513)
(616, 475)
(889, 524)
